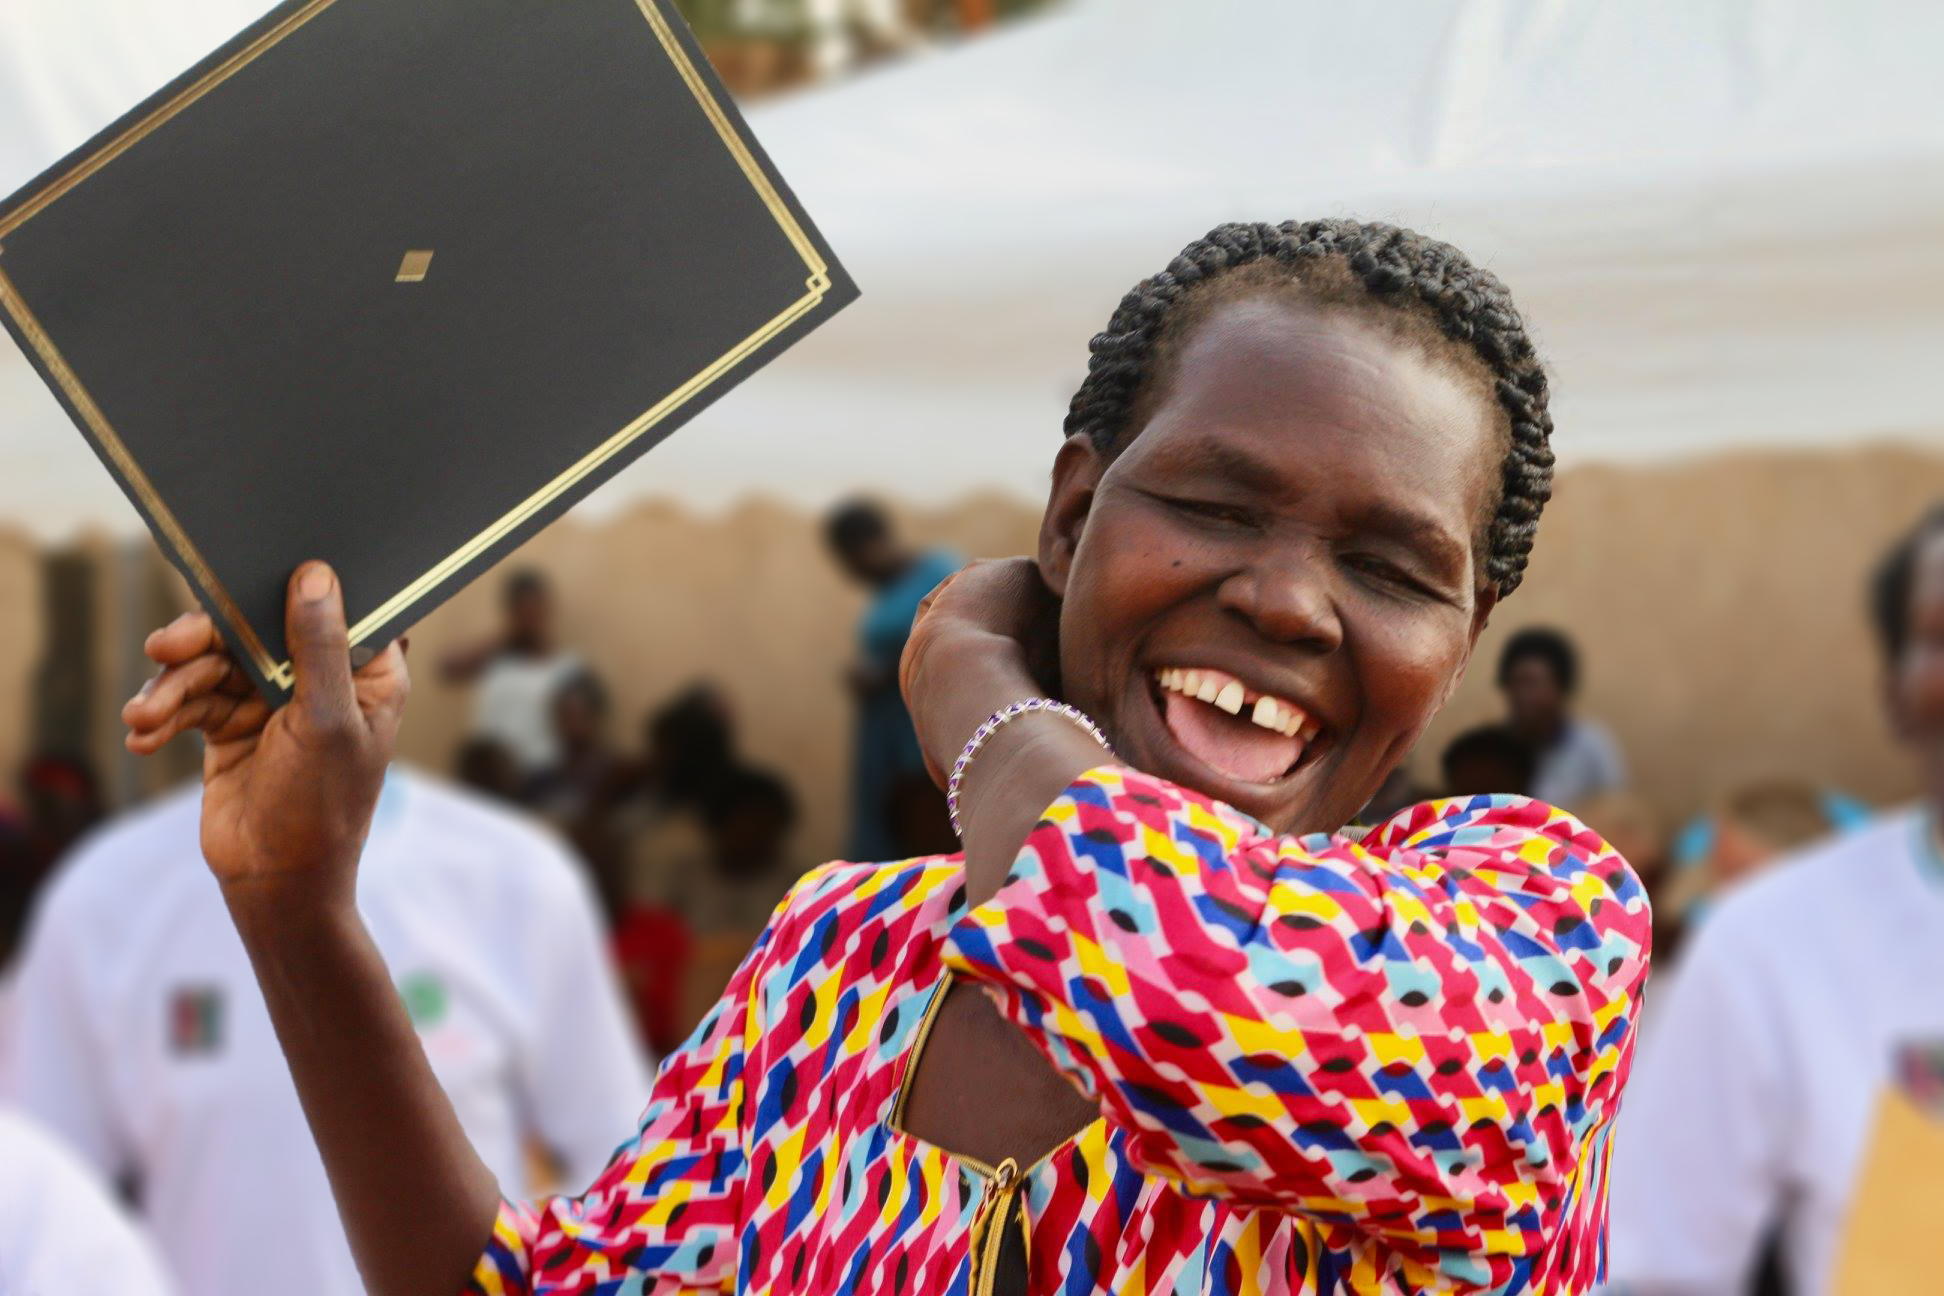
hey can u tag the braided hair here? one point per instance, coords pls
(1414, 283)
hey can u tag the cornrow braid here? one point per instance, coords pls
(1393, 266)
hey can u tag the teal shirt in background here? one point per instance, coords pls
(887, 746)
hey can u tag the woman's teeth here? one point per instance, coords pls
(1225, 691)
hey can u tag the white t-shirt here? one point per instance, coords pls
(60, 1232)
(9, 1028)
(1754, 1099)
(1583, 763)
(144, 1042)
(513, 706)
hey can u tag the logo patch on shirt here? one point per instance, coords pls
(196, 1021)
(425, 999)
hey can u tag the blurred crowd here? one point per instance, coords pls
(566, 906)
(686, 842)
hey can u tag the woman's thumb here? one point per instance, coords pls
(319, 643)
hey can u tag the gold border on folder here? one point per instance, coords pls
(816, 284)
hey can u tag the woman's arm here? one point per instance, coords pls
(1417, 1039)
(1420, 1038)
(417, 1202)
(287, 801)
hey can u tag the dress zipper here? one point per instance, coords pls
(989, 1226)
(1004, 1203)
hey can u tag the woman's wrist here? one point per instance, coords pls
(275, 905)
(1021, 710)
(1023, 770)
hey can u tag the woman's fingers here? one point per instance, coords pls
(180, 684)
(189, 635)
(221, 716)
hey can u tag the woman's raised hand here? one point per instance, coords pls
(287, 800)
(986, 637)
(288, 794)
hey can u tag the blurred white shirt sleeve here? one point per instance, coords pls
(585, 1077)
(60, 1233)
(60, 1064)
(1698, 1163)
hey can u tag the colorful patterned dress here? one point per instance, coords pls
(1323, 1065)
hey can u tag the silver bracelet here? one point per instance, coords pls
(997, 721)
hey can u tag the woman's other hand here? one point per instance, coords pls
(288, 794)
(985, 638)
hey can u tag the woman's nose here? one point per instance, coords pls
(1288, 599)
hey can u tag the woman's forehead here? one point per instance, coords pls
(1293, 356)
(1281, 386)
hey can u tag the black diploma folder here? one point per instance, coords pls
(393, 283)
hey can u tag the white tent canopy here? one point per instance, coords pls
(1723, 218)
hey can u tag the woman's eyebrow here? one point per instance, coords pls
(1225, 459)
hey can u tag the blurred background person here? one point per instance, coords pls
(59, 802)
(486, 767)
(1488, 760)
(653, 950)
(576, 794)
(748, 820)
(61, 1233)
(889, 786)
(1399, 791)
(1759, 823)
(515, 675)
(61, 797)
(1745, 830)
(1539, 672)
(1749, 828)
(660, 828)
(1783, 1087)
(588, 768)
(689, 755)
(144, 1042)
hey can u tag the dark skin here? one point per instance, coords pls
(528, 633)
(876, 561)
(1301, 508)
(1536, 701)
(1916, 682)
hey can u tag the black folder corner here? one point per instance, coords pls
(393, 283)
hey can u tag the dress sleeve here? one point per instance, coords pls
(669, 1204)
(1416, 1038)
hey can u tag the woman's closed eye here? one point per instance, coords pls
(1389, 574)
(1217, 511)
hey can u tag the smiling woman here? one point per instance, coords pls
(1165, 1025)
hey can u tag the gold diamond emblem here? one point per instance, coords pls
(415, 265)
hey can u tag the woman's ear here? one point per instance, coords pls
(1076, 473)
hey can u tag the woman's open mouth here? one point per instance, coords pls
(1236, 731)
